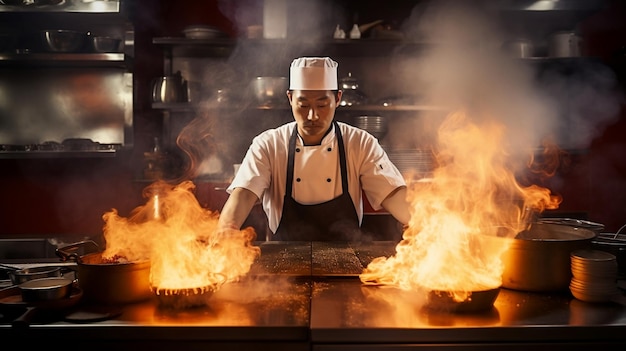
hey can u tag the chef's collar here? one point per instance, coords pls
(328, 132)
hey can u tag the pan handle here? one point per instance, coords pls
(24, 320)
(70, 252)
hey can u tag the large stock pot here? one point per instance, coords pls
(109, 281)
(538, 259)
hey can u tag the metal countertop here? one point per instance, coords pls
(300, 294)
(346, 311)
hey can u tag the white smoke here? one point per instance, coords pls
(569, 100)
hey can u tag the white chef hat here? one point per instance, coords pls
(313, 73)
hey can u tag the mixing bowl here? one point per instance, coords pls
(61, 40)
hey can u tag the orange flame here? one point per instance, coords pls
(176, 234)
(453, 241)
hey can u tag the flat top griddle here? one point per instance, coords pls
(318, 259)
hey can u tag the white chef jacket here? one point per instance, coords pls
(317, 173)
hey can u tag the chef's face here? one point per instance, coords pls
(313, 111)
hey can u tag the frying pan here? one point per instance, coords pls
(12, 303)
(477, 301)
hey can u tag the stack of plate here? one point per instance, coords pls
(201, 31)
(413, 163)
(594, 275)
(375, 125)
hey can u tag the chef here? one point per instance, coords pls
(310, 174)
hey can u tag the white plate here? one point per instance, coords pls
(202, 32)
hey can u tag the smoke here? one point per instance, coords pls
(568, 101)
(460, 66)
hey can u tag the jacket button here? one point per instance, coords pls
(329, 149)
(328, 180)
(297, 149)
(298, 179)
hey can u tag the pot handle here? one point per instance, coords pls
(24, 320)
(69, 252)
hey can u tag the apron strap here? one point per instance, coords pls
(342, 159)
(290, 161)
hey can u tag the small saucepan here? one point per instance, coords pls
(22, 275)
(46, 294)
(46, 289)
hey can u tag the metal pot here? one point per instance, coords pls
(20, 276)
(564, 44)
(538, 259)
(614, 244)
(106, 282)
(13, 305)
(519, 48)
(44, 289)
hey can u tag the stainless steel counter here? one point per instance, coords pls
(303, 296)
(255, 314)
(348, 312)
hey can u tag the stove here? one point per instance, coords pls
(307, 296)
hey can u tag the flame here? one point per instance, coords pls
(179, 238)
(458, 217)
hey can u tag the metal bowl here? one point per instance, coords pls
(105, 44)
(269, 90)
(60, 40)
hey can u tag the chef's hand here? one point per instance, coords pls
(223, 233)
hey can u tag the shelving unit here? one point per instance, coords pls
(82, 94)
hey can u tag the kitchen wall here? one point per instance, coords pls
(67, 197)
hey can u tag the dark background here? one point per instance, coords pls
(67, 197)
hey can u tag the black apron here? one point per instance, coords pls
(334, 220)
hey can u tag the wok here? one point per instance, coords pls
(184, 298)
(476, 301)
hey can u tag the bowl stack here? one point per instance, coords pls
(375, 125)
(594, 275)
(413, 163)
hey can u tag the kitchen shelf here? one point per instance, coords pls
(57, 154)
(182, 107)
(64, 59)
(392, 108)
(110, 6)
(181, 46)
